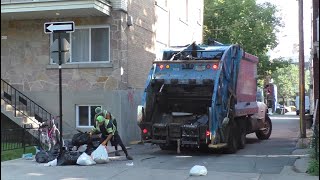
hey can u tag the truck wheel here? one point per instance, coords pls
(232, 144)
(242, 139)
(265, 134)
(204, 148)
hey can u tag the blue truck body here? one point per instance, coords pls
(190, 99)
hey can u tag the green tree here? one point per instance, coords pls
(251, 25)
(287, 81)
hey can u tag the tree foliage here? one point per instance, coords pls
(251, 25)
(287, 81)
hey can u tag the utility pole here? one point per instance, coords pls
(315, 40)
(301, 73)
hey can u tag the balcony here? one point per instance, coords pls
(46, 9)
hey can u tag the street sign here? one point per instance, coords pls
(54, 27)
(64, 50)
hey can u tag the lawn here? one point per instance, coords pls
(16, 153)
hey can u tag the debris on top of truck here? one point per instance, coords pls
(203, 96)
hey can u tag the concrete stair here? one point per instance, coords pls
(21, 118)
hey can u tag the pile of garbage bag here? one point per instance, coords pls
(81, 150)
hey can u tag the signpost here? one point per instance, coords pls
(63, 48)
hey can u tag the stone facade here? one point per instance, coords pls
(117, 85)
(25, 57)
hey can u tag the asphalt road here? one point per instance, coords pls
(258, 160)
(266, 156)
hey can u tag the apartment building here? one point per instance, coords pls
(111, 53)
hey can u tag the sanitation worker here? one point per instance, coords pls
(107, 126)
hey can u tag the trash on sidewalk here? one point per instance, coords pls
(100, 155)
(27, 156)
(42, 157)
(45, 156)
(51, 163)
(80, 138)
(74, 148)
(68, 158)
(37, 149)
(129, 164)
(85, 160)
(83, 148)
(198, 170)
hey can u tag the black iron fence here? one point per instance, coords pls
(22, 104)
(19, 138)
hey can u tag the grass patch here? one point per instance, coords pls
(16, 153)
(313, 168)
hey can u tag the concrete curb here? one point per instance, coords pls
(301, 164)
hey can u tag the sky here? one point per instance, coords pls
(288, 37)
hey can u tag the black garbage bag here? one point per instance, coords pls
(80, 139)
(89, 150)
(93, 143)
(68, 144)
(68, 158)
(54, 152)
(46, 156)
(42, 156)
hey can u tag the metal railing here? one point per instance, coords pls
(19, 138)
(22, 104)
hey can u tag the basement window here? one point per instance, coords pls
(85, 115)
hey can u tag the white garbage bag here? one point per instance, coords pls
(129, 164)
(51, 163)
(198, 170)
(100, 155)
(85, 160)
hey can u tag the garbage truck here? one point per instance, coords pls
(203, 96)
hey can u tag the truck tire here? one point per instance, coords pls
(232, 144)
(265, 134)
(242, 132)
(242, 139)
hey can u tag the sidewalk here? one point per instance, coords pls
(300, 167)
(120, 169)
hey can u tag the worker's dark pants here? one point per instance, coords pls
(115, 141)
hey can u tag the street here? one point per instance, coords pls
(258, 160)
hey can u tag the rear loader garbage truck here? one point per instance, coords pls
(203, 96)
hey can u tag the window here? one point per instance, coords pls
(184, 10)
(85, 115)
(199, 21)
(162, 3)
(88, 45)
